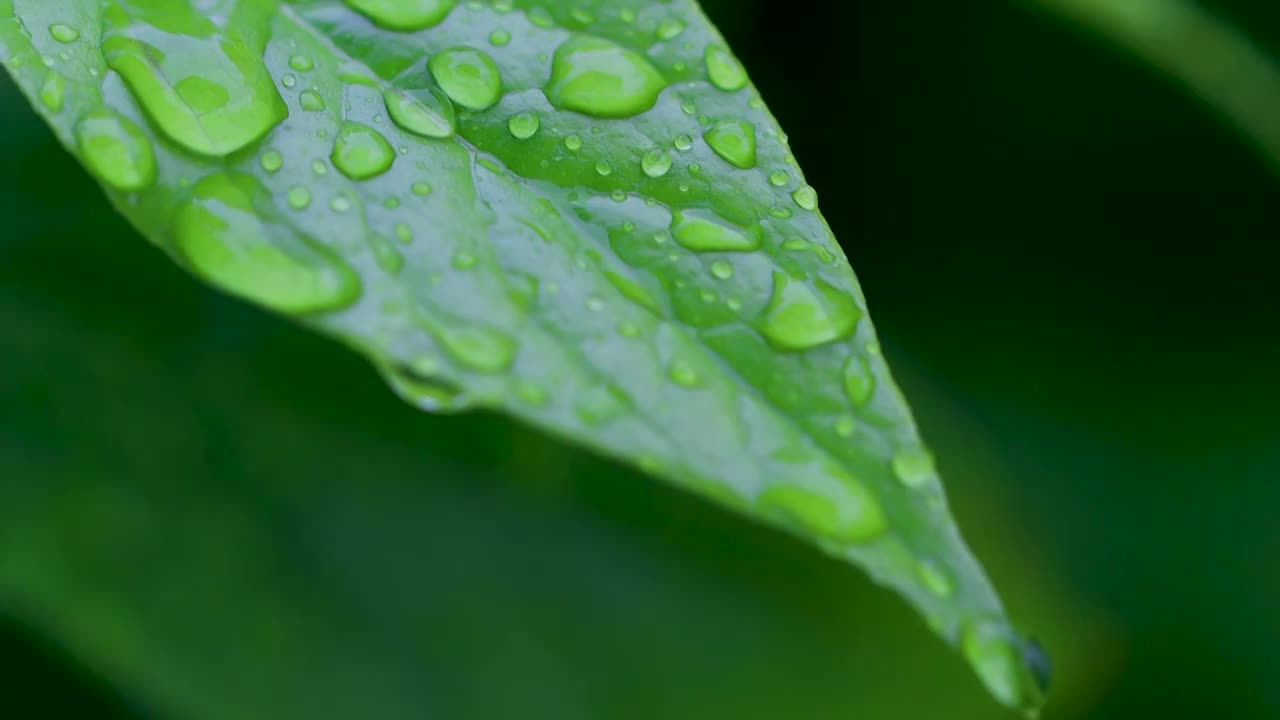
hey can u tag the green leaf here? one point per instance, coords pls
(583, 217)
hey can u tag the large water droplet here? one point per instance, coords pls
(914, 467)
(735, 141)
(403, 15)
(361, 152)
(802, 316)
(116, 151)
(480, 348)
(468, 76)
(595, 77)
(213, 95)
(837, 507)
(997, 654)
(425, 112)
(228, 235)
(702, 232)
(425, 391)
(724, 69)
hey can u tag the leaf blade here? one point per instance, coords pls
(651, 280)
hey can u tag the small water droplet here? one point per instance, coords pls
(361, 152)
(311, 101)
(299, 198)
(289, 81)
(573, 143)
(806, 197)
(683, 142)
(52, 92)
(420, 189)
(779, 178)
(656, 163)
(683, 374)
(936, 579)
(498, 38)
(670, 28)
(271, 161)
(480, 348)
(523, 125)
(301, 63)
(914, 467)
(603, 169)
(64, 34)
(722, 269)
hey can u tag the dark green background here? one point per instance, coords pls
(203, 508)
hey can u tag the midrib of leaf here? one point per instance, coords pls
(731, 450)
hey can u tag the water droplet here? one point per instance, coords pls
(301, 63)
(271, 161)
(404, 233)
(480, 348)
(669, 28)
(601, 404)
(702, 232)
(420, 189)
(531, 393)
(228, 235)
(403, 15)
(299, 197)
(386, 254)
(683, 142)
(213, 96)
(859, 381)
(425, 392)
(846, 426)
(289, 81)
(735, 142)
(361, 152)
(725, 71)
(311, 101)
(806, 197)
(116, 151)
(683, 374)
(840, 509)
(722, 269)
(998, 655)
(914, 467)
(468, 76)
(802, 316)
(573, 143)
(936, 579)
(523, 125)
(595, 77)
(340, 203)
(655, 163)
(498, 38)
(64, 34)
(779, 178)
(52, 92)
(603, 169)
(426, 112)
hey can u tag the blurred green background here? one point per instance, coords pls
(207, 513)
